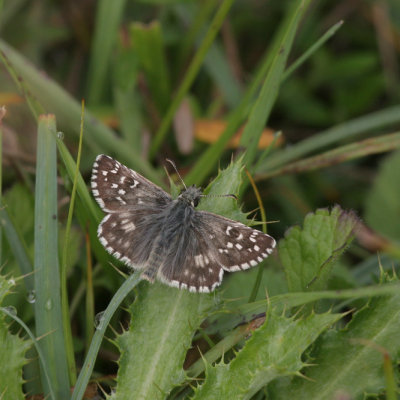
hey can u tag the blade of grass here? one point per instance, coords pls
(108, 19)
(89, 300)
(52, 97)
(190, 75)
(81, 187)
(149, 48)
(202, 15)
(345, 131)
(63, 276)
(269, 91)
(127, 99)
(90, 359)
(215, 62)
(42, 359)
(212, 155)
(311, 50)
(363, 148)
(48, 317)
(18, 248)
(2, 114)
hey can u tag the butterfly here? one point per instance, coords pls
(166, 238)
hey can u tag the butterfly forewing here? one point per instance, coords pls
(134, 205)
(118, 188)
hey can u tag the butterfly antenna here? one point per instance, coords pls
(176, 170)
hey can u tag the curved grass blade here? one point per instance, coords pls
(363, 148)
(90, 359)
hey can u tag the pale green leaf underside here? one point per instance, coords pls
(382, 211)
(308, 253)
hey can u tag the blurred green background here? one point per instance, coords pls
(127, 60)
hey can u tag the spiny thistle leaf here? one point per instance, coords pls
(274, 350)
(349, 363)
(12, 352)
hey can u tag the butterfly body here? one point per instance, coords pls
(168, 239)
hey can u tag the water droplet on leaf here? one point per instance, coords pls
(31, 297)
(99, 320)
(11, 310)
(49, 304)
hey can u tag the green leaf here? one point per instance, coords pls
(274, 350)
(226, 183)
(382, 208)
(349, 363)
(154, 348)
(12, 352)
(308, 254)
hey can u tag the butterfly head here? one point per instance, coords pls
(190, 196)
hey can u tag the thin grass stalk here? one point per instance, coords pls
(2, 114)
(311, 50)
(352, 151)
(64, 289)
(260, 271)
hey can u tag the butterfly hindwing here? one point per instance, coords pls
(190, 260)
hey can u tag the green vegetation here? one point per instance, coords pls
(313, 87)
